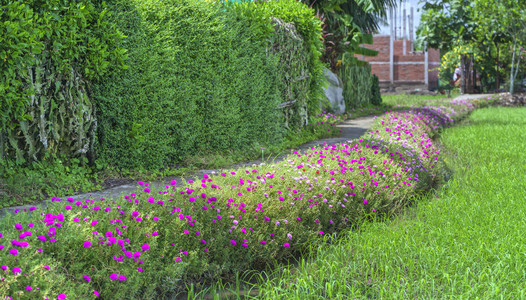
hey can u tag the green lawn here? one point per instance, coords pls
(415, 100)
(466, 241)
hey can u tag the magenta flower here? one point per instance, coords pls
(67, 207)
(96, 293)
(18, 227)
(140, 270)
(145, 247)
(232, 242)
(177, 259)
(87, 278)
(13, 252)
(61, 296)
(122, 278)
(87, 244)
(29, 288)
(286, 245)
(135, 214)
(113, 276)
(16, 270)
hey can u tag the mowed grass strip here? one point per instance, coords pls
(467, 241)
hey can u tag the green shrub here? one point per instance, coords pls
(376, 97)
(359, 86)
(259, 15)
(49, 52)
(195, 83)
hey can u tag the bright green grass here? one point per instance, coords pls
(415, 100)
(466, 242)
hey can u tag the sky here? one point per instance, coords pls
(408, 4)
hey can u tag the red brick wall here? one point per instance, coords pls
(408, 68)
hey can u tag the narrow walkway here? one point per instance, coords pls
(351, 129)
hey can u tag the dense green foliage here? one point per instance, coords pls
(308, 26)
(197, 83)
(49, 51)
(202, 79)
(495, 31)
(376, 97)
(359, 86)
(464, 242)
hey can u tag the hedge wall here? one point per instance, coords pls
(49, 52)
(201, 79)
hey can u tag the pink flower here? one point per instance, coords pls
(113, 276)
(286, 245)
(87, 278)
(177, 259)
(61, 296)
(122, 278)
(140, 270)
(16, 270)
(96, 293)
(173, 182)
(29, 288)
(87, 244)
(145, 247)
(18, 227)
(232, 242)
(13, 252)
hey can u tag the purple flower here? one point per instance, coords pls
(140, 270)
(145, 247)
(113, 276)
(13, 252)
(88, 279)
(122, 278)
(286, 245)
(87, 244)
(96, 293)
(232, 242)
(18, 226)
(29, 288)
(16, 270)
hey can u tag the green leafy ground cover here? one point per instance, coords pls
(464, 242)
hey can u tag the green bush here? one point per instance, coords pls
(376, 97)
(201, 80)
(359, 86)
(308, 26)
(49, 52)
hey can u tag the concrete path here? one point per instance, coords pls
(351, 129)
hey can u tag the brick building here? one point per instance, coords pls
(409, 67)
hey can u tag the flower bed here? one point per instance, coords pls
(142, 245)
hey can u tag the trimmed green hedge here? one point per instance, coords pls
(201, 79)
